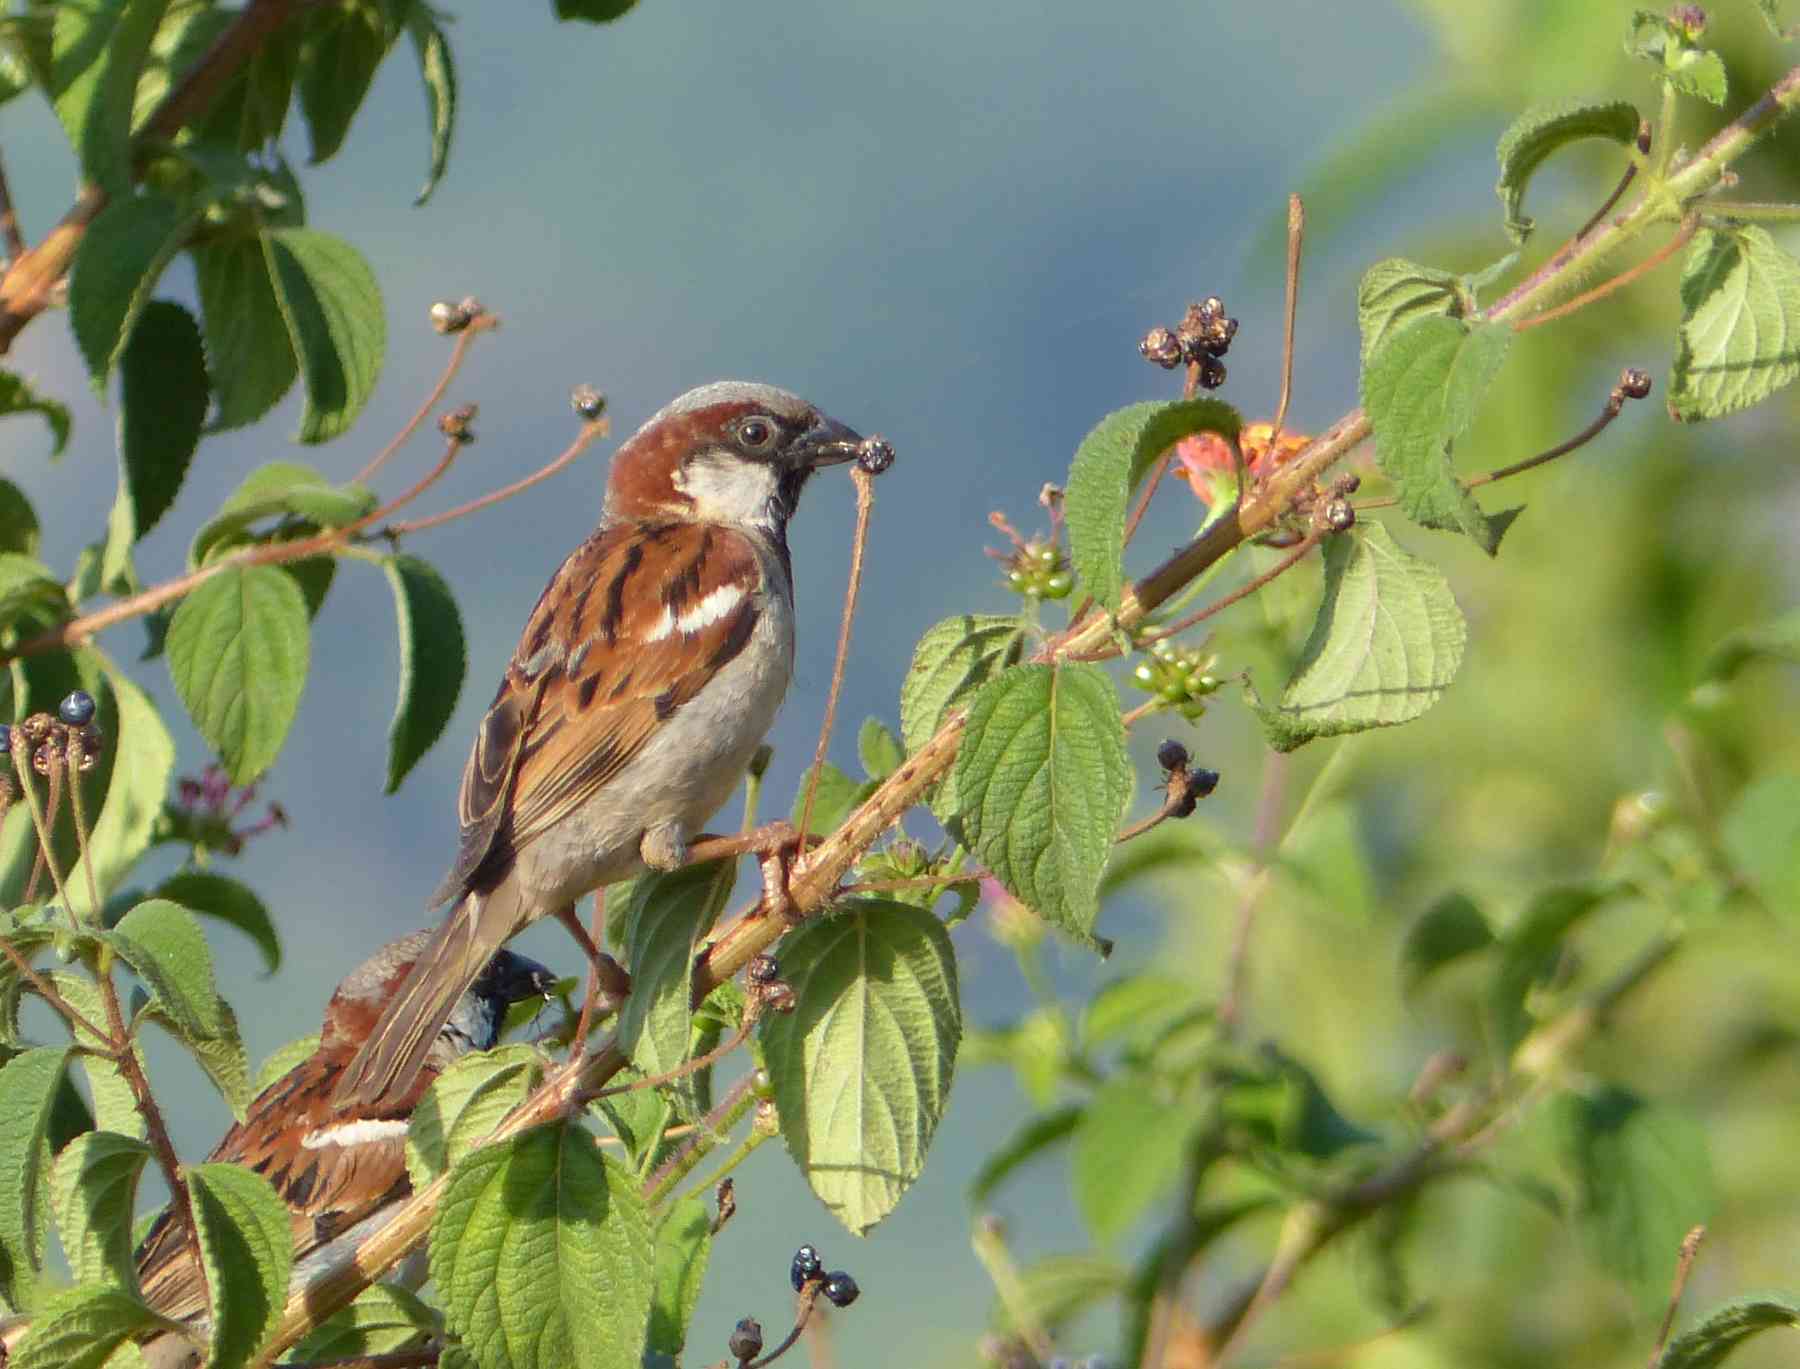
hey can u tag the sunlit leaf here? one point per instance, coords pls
(98, 50)
(29, 1082)
(117, 265)
(248, 353)
(1395, 292)
(246, 1250)
(82, 1328)
(465, 1103)
(384, 1319)
(1762, 834)
(437, 69)
(433, 661)
(683, 1246)
(1740, 323)
(94, 1188)
(331, 303)
(1725, 1328)
(1538, 133)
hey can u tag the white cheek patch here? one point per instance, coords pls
(355, 1133)
(709, 610)
(728, 489)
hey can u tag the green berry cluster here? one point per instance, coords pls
(1181, 676)
(1038, 570)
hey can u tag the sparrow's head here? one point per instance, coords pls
(475, 1023)
(731, 452)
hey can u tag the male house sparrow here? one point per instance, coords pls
(337, 1171)
(646, 677)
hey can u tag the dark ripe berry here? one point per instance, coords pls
(746, 1341)
(5, 740)
(841, 1289)
(77, 710)
(1172, 755)
(806, 1265)
(1202, 782)
(765, 969)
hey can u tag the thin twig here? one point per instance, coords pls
(9, 223)
(1684, 1265)
(1312, 539)
(1618, 282)
(480, 323)
(865, 503)
(808, 1297)
(989, 1243)
(578, 1044)
(22, 764)
(725, 1115)
(86, 860)
(598, 427)
(1296, 227)
(421, 1358)
(1606, 206)
(47, 991)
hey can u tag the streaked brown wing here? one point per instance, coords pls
(600, 665)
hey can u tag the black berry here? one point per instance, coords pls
(77, 710)
(841, 1289)
(1172, 755)
(807, 1265)
(746, 1341)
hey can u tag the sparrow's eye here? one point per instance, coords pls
(757, 434)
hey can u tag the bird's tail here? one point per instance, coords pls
(388, 1062)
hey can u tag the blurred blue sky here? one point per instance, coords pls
(948, 223)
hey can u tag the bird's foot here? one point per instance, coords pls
(775, 844)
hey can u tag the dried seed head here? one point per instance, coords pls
(746, 1341)
(1635, 383)
(874, 455)
(588, 402)
(763, 969)
(1339, 515)
(1160, 347)
(455, 424)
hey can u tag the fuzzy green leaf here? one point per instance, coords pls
(1660, 40)
(433, 661)
(98, 48)
(163, 393)
(1108, 465)
(1449, 929)
(1762, 834)
(29, 1082)
(214, 895)
(28, 587)
(1386, 644)
(1725, 1328)
(94, 1188)
(279, 489)
(878, 749)
(437, 69)
(282, 1059)
(19, 531)
(1645, 1181)
(1395, 292)
(683, 1247)
(1538, 133)
(117, 265)
(1740, 323)
(950, 663)
(384, 1319)
(1043, 779)
(85, 1328)
(1127, 1153)
(16, 397)
(1775, 640)
(1529, 952)
(247, 1252)
(248, 353)
(837, 795)
(862, 1067)
(134, 792)
(331, 303)
(238, 649)
(344, 45)
(163, 944)
(465, 1103)
(543, 1255)
(1421, 387)
(594, 11)
(1032, 1139)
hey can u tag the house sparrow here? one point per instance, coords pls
(334, 1171)
(646, 677)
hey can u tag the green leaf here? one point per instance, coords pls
(1127, 1153)
(162, 405)
(247, 1252)
(222, 1056)
(1530, 951)
(1395, 292)
(384, 1319)
(98, 50)
(17, 397)
(1776, 640)
(1771, 13)
(1761, 833)
(1421, 388)
(27, 586)
(215, 895)
(1032, 1139)
(1136, 1008)
(878, 749)
(683, 1247)
(280, 489)
(252, 109)
(1646, 1182)
(331, 303)
(282, 1059)
(1059, 1288)
(29, 1082)
(1386, 644)
(437, 69)
(1692, 70)
(248, 353)
(117, 265)
(1108, 465)
(343, 47)
(950, 663)
(1281, 1104)
(134, 791)
(83, 1328)
(94, 1188)
(667, 915)
(163, 944)
(837, 796)
(1725, 1328)
(1043, 780)
(464, 1104)
(594, 11)
(1740, 323)
(238, 651)
(1538, 133)
(861, 1068)
(1449, 929)
(19, 532)
(543, 1255)
(433, 661)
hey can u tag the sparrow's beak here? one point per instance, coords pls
(826, 442)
